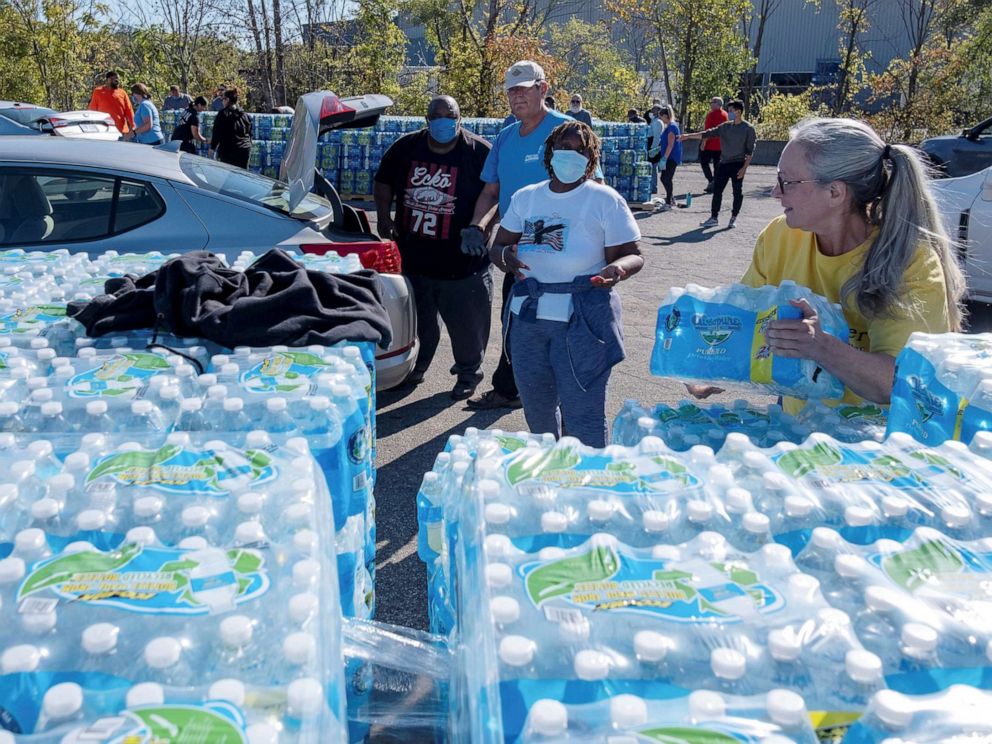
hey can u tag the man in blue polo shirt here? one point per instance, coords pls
(516, 160)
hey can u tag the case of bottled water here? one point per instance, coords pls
(168, 588)
(718, 335)
(943, 387)
(958, 714)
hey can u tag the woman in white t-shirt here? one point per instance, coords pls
(567, 241)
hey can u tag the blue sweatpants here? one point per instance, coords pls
(548, 388)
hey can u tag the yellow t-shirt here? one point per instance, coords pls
(784, 253)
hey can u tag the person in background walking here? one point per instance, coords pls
(187, 129)
(231, 138)
(578, 113)
(176, 101)
(670, 150)
(567, 242)
(434, 178)
(516, 160)
(737, 140)
(217, 104)
(655, 128)
(549, 101)
(110, 99)
(634, 118)
(709, 151)
(147, 127)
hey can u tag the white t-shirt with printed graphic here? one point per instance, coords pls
(563, 236)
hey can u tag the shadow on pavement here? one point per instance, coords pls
(698, 235)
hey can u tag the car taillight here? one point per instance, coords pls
(57, 122)
(383, 256)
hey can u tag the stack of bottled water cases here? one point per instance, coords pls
(719, 335)
(349, 158)
(943, 387)
(832, 570)
(690, 423)
(172, 588)
(58, 383)
(958, 714)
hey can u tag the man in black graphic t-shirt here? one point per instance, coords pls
(433, 179)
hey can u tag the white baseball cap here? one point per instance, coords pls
(525, 73)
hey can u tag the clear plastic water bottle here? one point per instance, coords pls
(919, 648)
(276, 419)
(861, 678)
(191, 415)
(61, 706)
(164, 662)
(547, 720)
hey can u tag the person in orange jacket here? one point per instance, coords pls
(111, 99)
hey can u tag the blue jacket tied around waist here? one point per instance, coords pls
(594, 336)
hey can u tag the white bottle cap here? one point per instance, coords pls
(77, 461)
(145, 693)
(141, 407)
(298, 513)
(756, 523)
(728, 663)
(257, 439)
(236, 630)
(774, 481)
(655, 520)
(856, 515)
(195, 516)
(786, 708)
(600, 510)
(12, 569)
(216, 392)
(699, 512)
(668, 553)
(894, 506)
(592, 665)
(548, 718)
(80, 546)
(882, 599)
(893, 708)
(498, 546)
(51, 408)
(23, 658)
(275, 405)
(193, 543)
(147, 507)
(45, 508)
(833, 617)
(604, 540)
(516, 651)
(505, 610)
(956, 515)
(720, 475)
(303, 606)
(305, 541)
(850, 565)
(163, 652)
(499, 575)
(304, 697)
(826, 538)
(190, 404)
(143, 536)
(100, 638)
(706, 705)
(300, 648)
(738, 500)
(248, 533)
(233, 405)
(797, 506)
(862, 666)
(497, 513)
(306, 572)
(784, 645)
(651, 646)
(31, 540)
(628, 711)
(918, 639)
(262, 733)
(553, 521)
(229, 690)
(551, 553)
(62, 701)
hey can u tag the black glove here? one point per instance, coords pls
(473, 241)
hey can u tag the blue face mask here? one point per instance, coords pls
(443, 130)
(731, 116)
(569, 166)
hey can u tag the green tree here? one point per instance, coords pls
(593, 66)
(377, 55)
(854, 20)
(781, 112)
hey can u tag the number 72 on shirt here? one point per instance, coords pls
(424, 223)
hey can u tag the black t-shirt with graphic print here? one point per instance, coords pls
(435, 197)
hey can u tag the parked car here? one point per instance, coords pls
(966, 209)
(962, 154)
(28, 119)
(99, 196)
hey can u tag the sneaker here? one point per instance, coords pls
(711, 222)
(492, 399)
(709, 188)
(733, 223)
(463, 390)
(664, 207)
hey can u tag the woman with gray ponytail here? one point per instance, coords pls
(860, 228)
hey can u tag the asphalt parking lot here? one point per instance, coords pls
(415, 423)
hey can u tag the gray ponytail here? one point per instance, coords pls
(889, 184)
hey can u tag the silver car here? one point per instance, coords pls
(28, 119)
(88, 196)
(966, 209)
